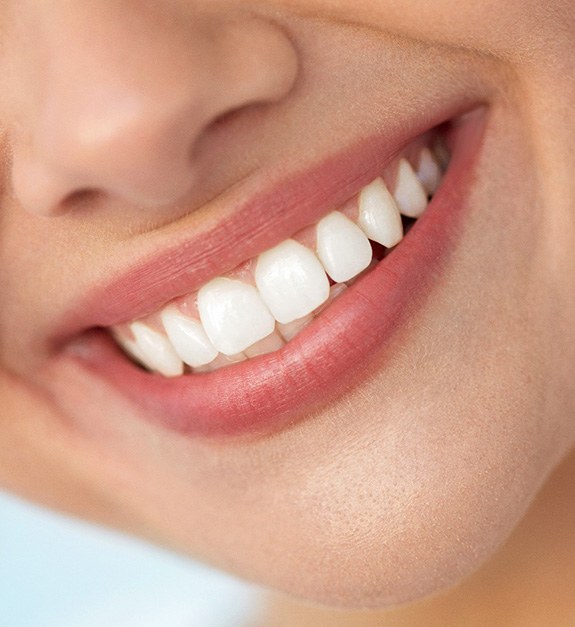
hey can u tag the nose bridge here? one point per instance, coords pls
(124, 100)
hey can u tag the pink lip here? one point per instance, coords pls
(268, 393)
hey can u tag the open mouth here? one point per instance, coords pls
(267, 301)
(258, 346)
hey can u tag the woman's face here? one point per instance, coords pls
(151, 147)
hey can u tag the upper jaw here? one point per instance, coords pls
(257, 218)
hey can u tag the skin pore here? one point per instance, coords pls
(422, 472)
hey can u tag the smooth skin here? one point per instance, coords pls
(127, 124)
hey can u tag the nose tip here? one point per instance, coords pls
(124, 120)
(140, 151)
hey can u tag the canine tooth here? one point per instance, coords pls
(155, 351)
(409, 193)
(342, 247)
(233, 315)
(291, 281)
(428, 171)
(188, 338)
(379, 215)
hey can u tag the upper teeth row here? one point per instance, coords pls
(231, 319)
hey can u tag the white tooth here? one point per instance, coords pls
(188, 338)
(428, 171)
(291, 281)
(233, 315)
(130, 347)
(155, 351)
(409, 193)
(379, 215)
(342, 247)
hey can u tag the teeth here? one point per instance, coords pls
(188, 338)
(129, 346)
(379, 215)
(291, 281)
(240, 321)
(233, 315)
(409, 193)
(155, 351)
(342, 247)
(428, 171)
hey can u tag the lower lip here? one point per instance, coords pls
(330, 356)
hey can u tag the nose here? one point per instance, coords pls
(118, 98)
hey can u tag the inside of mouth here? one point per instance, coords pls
(267, 301)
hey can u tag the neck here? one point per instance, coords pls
(529, 583)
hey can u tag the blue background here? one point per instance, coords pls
(56, 572)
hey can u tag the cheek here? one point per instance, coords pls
(513, 32)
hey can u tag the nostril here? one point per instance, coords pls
(79, 199)
(229, 117)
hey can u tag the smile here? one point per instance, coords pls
(269, 300)
(258, 346)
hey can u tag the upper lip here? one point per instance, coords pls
(270, 214)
